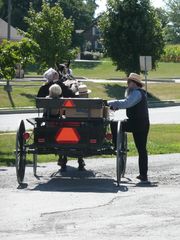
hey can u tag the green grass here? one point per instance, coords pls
(163, 139)
(106, 70)
(25, 96)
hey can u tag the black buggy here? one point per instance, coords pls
(81, 130)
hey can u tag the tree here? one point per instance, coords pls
(82, 14)
(52, 31)
(130, 29)
(173, 29)
(13, 53)
(19, 9)
(163, 16)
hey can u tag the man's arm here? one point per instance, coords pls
(133, 98)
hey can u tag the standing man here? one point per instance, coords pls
(135, 103)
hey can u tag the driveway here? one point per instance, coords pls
(88, 205)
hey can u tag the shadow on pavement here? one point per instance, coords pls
(79, 181)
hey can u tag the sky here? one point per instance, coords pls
(102, 5)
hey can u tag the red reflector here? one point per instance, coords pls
(93, 140)
(68, 103)
(108, 136)
(26, 135)
(67, 135)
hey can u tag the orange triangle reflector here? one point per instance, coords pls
(68, 103)
(67, 135)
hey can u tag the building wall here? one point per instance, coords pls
(14, 35)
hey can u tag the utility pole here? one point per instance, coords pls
(9, 20)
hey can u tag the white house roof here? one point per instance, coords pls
(14, 35)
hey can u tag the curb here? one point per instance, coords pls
(18, 111)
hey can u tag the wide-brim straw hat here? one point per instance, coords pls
(136, 78)
(82, 89)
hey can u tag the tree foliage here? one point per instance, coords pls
(173, 28)
(12, 53)
(131, 28)
(81, 13)
(19, 9)
(52, 31)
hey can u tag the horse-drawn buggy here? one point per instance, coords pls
(80, 130)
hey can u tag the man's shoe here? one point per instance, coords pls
(62, 161)
(82, 164)
(63, 168)
(142, 178)
(81, 168)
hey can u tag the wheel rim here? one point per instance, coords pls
(20, 153)
(124, 155)
(118, 159)
(121, 153)
(35, 164)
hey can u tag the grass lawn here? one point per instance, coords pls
(163, 139)
(106, 70)
(25, 96)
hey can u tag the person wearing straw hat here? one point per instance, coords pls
(135, 103)
(83, 91)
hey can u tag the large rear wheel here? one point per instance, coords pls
(121, 156)
(20, 153)
(35, 164)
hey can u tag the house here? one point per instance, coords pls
(14, 35)
(92, 38)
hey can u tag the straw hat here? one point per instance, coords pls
(82, 89)
(136, 78)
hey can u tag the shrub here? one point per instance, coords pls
(171, 53)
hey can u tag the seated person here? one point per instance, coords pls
(55, 91)
(51, 76)
(83, 91)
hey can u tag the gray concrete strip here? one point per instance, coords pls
(88, 205)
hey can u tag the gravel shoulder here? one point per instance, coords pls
(86, 205)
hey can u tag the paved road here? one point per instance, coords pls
(171, 115)
(88, 205)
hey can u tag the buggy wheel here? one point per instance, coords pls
(124, 140)
(20, 153)
(35, 164)
(121, 153)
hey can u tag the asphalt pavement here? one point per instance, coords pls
(88, 205)
(163, 115)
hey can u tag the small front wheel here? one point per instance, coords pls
(20, 153)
